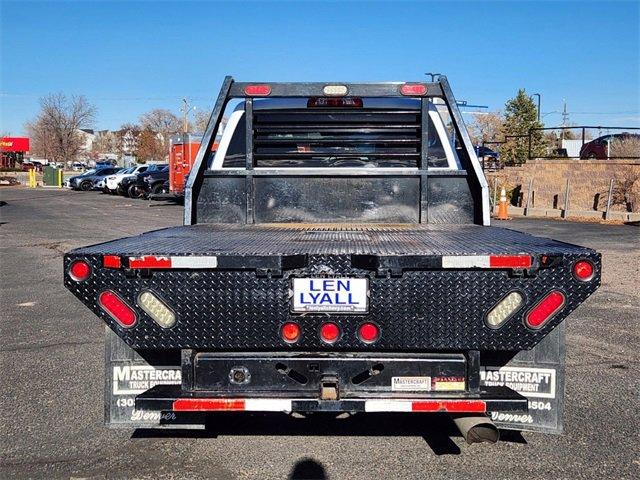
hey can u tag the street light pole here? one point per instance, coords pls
(537, 95)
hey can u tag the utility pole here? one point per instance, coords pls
(565, 117)
(537, 95)
(185, 109)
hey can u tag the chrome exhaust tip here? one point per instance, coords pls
(477, 429)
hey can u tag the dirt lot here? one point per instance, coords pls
(52, 367)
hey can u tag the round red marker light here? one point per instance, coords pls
(368, 332)
(79, 270)
(329, 332)
(583, 270)
(290, 332)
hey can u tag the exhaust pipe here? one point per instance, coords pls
(477, 429)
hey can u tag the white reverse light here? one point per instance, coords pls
(156, 309)
(504, 309)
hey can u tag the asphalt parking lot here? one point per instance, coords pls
(52, 367)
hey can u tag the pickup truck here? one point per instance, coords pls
(336, 256)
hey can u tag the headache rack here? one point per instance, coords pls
(329, 147)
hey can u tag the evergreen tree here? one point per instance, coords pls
(521, 116)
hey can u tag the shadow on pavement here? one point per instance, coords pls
(437, 430)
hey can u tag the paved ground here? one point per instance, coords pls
(51, 371)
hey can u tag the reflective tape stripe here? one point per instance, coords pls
(194, 262)
(187, 261)
(487, 261)
(469, 261)
(232, 405)
(387, 406)
(425, 406)
(267, 405)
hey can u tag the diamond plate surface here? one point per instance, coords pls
(279, 239)
(235, 310)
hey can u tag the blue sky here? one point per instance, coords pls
(129, 57)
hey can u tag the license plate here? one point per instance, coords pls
(339, 295)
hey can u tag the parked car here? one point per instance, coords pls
(133, 186)
(88, 179)
(599, 148)
(486, 153)
(78, 166)
(114, 181)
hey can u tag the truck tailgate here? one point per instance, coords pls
(430, 286)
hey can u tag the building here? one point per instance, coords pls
(13, 150)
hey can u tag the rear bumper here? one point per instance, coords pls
(171, 398)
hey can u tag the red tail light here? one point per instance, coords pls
(257, 90)
(583, 270)
(329, 332)
(545, 309)
(117, 308)
(290, 332)
(368, 332)
(416, 89)
(79, 270)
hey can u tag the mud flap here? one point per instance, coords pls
(537, 374)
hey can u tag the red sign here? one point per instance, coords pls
(14, 144)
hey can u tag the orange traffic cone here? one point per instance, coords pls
(502, 206)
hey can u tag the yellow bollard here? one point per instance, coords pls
(60, 178)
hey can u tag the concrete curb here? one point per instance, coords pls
(583, 214)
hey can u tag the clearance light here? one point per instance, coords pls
(157, 309)
(79, 270)
(290, 332)
(415, 89)
(545, 309)
(368, 332)
(329, 332)
(117, 308)
(257, 90)
(335, 90)
(583, 270)
(504, 309)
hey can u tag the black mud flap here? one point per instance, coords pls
(537, 374)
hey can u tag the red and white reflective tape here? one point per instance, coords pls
(185, 261)
(487, 261)
(232, 405)
(425, 406)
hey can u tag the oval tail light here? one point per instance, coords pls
(257, 90)
(545, 309)
(413, 89)
(117, 308)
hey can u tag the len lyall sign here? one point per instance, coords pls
(14, 144)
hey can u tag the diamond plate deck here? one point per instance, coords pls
(421, 310)
(332, 239)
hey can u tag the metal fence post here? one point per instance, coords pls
(565, 212)
(526, 210)
(606, 214)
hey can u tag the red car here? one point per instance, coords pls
(599, 148)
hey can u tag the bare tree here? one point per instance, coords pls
(164, 124)
(104, 143)
(56, 130)
(150, 146)
(486, 127)
(200, 120)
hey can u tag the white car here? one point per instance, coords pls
(113, 181)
